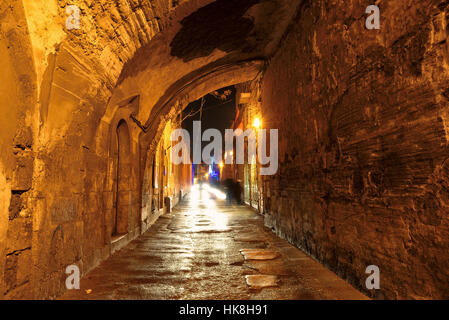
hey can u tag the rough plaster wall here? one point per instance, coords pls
(363, 143)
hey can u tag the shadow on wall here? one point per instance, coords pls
(219, 25)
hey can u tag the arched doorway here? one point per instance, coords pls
(123, 185)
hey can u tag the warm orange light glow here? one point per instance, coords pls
(257, 123)
(221, 165)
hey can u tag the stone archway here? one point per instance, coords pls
(81, 77)
(18, 97)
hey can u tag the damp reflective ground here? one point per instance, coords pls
(206, 249)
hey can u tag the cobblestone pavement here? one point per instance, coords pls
(206, 249)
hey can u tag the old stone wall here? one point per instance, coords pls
(249, 104)
(363, 119)
(363, 142)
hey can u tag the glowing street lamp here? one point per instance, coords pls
(257, 123)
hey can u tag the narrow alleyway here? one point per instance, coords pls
(206, 249)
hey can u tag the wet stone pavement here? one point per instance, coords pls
(206, 249)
